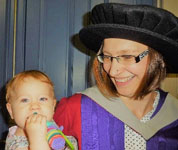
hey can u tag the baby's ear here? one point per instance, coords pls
(9, 108)
(54, 103)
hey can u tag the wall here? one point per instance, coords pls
(171, 82)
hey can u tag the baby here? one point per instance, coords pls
(31, 103)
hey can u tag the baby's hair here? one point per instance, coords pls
(17, 79)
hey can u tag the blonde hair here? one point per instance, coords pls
(16, 80)
(154, 75)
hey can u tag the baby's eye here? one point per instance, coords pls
(24, 100)
(43, 99)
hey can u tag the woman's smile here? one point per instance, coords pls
(124, 81)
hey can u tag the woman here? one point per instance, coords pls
(135, 45)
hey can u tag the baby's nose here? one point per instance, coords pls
(35, 105)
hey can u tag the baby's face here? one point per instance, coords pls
(31, 96)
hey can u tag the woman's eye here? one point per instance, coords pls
(106, 57)
(24, 100)
(43, 99)
(127, 56)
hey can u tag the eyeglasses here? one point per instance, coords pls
(123, 59)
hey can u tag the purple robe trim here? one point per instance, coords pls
(100, 129)
(167, 137)
(103, 131)
(161, 101)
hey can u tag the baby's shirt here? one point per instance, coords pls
(13, 141)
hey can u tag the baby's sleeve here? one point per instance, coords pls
(73, 141)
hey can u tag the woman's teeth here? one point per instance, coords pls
(124, 79)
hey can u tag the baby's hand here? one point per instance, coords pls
(36, 129)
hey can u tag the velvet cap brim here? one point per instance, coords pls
(154, 27)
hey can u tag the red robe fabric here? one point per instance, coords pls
(68, 114)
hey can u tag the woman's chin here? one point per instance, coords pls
(126, 93)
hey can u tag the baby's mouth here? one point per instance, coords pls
(35, 113)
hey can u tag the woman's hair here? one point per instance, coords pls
(154, 74)
(19, 78)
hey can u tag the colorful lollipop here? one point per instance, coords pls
(55, 139)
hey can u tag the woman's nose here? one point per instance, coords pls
(115, 68)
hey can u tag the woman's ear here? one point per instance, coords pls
(9, 108)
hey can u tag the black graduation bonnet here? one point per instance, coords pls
(149, 25)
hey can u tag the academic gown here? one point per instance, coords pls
(98, 122)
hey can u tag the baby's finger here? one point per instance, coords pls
(32, 118)
(39, 118)
(43, 120)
